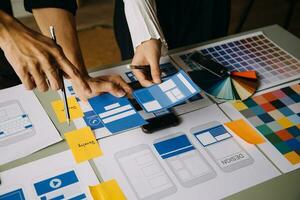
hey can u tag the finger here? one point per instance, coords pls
(120, 81)
(27, 80)
(142, 78)
(107, 86)
(53, 78)
(74, 74)
(155, 71)
(39, 79)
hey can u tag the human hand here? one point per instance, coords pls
(112, 84)
(148, 53)
(36, 58)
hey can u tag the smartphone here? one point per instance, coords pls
(160, 122)
(184, 160)
(207, 64)
(143, 171)
(15, 124)
(226, 152)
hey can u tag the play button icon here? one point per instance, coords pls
(55, 183)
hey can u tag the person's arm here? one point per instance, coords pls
(34, 57)
(147, 38)
(66, 34)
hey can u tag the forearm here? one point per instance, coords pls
(143, 22)
(6, 21)
(66, 33)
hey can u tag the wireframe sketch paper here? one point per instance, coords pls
(174, 90)
(53, 177)
(173, 164)
(24, 124)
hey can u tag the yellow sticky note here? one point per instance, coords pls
(245, 131)
(83, 144)
(109, 190)
(74, 109)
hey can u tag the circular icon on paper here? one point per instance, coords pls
(55, 183)
(94, 122)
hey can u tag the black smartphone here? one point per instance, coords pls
(207, 64)
(160, 122)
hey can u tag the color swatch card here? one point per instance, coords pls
(54, 177)
(253, 51)
(174, 90)
(216, 80)
(276, 115)
(116, 114)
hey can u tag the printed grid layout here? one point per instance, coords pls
(277, 116)
(253, 53)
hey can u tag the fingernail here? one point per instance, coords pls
(121, 93)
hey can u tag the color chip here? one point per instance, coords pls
(280, 120)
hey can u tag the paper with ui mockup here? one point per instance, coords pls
(24, 125)
(74, 108)
(116, 114)
(83, 144)
(55, 177)
(245, 131)
(172, 91)
(108, 190)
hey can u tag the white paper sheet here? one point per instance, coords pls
(52, 176)
(122, 149)
(24, 124)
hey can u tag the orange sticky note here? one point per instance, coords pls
(245, 131)
(83, 144)
(74, 109)
(109, 190)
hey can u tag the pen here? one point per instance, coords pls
(143, 68)
(65, 101)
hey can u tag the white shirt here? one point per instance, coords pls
(143, 23)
